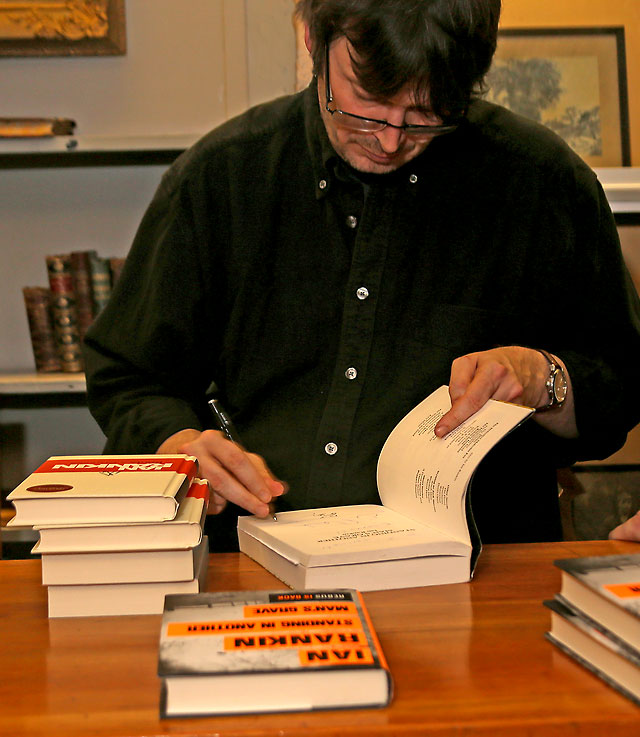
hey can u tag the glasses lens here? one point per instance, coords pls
(346, 120)
(429, 131)
(365, 125)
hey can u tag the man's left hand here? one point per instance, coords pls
(510, 374)
(629, 530)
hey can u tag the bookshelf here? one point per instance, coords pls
(622, 187)
(31, 390)
(34, 383)
(78, 151)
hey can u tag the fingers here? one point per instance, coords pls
(478, 377)
(235, 475)
(629, 530)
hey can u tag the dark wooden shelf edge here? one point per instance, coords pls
(50, 159)
(627, 218)
(47, 400)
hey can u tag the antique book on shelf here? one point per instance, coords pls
(595, 648)
(37, 301)
(269, 651)
(115, 263)
(422, 534)
(100, 281)
(607, 590)
(137, 566)
(36, 127)
(108, 599)
(181, 532)
(118, 488)
(81, 281)
(63, 309)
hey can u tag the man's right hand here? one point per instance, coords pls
(234, 474)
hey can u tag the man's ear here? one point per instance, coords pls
(307, 38)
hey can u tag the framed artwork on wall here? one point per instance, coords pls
(62, 27)
(574, 81)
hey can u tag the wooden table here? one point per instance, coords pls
(467, 659)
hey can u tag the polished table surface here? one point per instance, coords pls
(467, 659)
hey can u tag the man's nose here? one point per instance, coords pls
(389, 139)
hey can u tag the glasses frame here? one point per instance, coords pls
(379, 125)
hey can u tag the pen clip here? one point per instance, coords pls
(223, 421)
(226, 426)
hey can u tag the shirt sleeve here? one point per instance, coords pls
(602, 348)
(147, 358)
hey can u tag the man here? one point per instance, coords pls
(331, 258)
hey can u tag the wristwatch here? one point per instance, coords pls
(556, 384)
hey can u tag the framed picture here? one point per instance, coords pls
(62, 27)
(574, 81)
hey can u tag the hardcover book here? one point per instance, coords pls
(110, 599)
(63, 307)
(123, 488)
(36, 127)
(100, 281)
(422, 534)
(181, 532)
(595, 648)
(116, 263)
(37, 301)
(141, 566)
(607, 589)
(266, 651)
(81, 280)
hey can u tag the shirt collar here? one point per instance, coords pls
(323, 155)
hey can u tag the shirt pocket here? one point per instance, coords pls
(461, 329)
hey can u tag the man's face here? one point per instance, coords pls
(373, 153)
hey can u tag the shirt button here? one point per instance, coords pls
(352, 221)
(322, 184)
(362, 292)
(413, 178)
(330, 449)
(351, 373)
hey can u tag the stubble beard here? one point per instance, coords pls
(356, 146)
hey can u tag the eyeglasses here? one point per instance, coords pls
(372, 125)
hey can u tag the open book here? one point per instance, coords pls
(422, 534)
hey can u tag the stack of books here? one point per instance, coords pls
(595, 618)
(116, 533)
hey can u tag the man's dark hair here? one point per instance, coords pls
(441, 48)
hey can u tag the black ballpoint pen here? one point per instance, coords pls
(225, 425)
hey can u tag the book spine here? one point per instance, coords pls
(37, 302)
(81, 278)
(63, 310)
(100, 281)
(116, 263)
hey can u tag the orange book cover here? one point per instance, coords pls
(259, 651)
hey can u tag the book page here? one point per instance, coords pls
(351, 534)
(425, 477)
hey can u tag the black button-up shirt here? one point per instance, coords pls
(325, 305)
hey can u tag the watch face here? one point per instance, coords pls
(559, 386)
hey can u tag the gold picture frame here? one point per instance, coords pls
(574, 81)
(62, 27)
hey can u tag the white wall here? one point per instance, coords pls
(189, 65)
